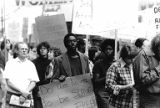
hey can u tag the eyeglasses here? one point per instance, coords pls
(23, 49)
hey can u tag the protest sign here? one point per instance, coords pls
(156, 10)
(75, 92)
(95, 17)
(82, 17)
(52, 29)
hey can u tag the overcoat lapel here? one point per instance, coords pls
(83, 63)
(66, 64)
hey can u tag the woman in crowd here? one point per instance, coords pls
(99, 72)
(41, 63)
(119, 80)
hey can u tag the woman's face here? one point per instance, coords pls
(43, 51)
(108, 50)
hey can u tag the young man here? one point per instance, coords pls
(21, 76)
(72, 62)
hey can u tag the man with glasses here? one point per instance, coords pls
(21, 76)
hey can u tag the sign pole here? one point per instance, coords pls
(116, 40)
(87, 44)
(43, 7)
(3, 28)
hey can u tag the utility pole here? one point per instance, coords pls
(43, 7)
(3, 17)
(3, 27)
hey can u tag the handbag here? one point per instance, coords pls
(152, 87)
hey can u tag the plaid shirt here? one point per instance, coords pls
(119, 74)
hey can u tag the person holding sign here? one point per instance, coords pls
(72, 62)
(21, 77)
(120, 81)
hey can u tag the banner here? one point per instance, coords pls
(41, 2)
(96, 17)
(75, 92)
(52, 29)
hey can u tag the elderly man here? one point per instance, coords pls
(21, 77)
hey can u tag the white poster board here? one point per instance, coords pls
(82, 17)
(96, 17)
(75, 92)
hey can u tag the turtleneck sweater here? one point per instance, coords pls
(41, 66)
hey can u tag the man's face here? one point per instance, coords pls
(23, 50)
(43, 51)
(146, 44)
(71, 43)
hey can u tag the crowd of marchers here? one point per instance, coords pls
(129, 80)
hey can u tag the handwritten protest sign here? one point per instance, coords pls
(75, 92)
(156, 10)
(82, 17)
(95, 17)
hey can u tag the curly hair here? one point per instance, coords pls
(44, 44)
(107, 42)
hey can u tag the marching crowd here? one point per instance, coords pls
(136, 72)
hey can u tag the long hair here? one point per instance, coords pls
(45, 44)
